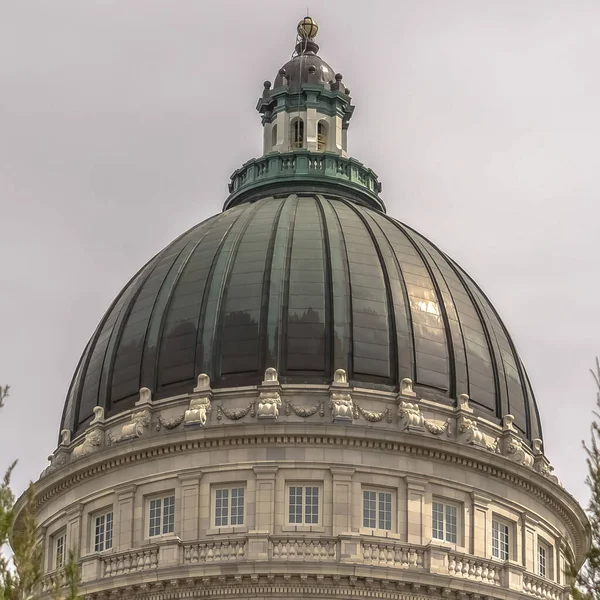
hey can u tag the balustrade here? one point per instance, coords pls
(214, 551)
(541, 588)
(304, 549)
(476, 569)
(392, 555)
(130, 562)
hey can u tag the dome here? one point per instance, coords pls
(305, 68)
(307, 283)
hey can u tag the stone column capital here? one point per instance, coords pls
(265, 471)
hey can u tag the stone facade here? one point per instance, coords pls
(370, 484)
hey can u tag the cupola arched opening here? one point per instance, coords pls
(322, 136)
(274, 136)
(297, 133)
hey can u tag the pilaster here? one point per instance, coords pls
(265, 497)
(124, 517)
(342, 499)
(74, 526)
(481, 525)
(190, 507)
(416, 488)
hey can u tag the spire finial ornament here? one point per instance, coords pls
(308, 28)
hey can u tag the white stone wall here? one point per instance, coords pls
(267, 445)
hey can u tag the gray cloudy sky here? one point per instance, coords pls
(121, 121)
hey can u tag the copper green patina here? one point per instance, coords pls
(305, 171)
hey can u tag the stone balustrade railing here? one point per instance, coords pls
(541, 588)
(221, 550)
(347, 549)
(129, 562)
(387, 554)
(476, 569)
(304, 549)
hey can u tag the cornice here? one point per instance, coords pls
(299, 581)
(296, 434)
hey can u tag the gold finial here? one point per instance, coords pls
(308, 28)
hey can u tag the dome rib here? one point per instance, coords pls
(391, 313)
(443, 313)
(156, 323)
(215, 295)
(265, 361)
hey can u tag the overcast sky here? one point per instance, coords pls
(121, 121)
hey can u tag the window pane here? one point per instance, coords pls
(109, 532)
(155, 509)
(437, 523)
(295, 505)
(169, 515)
(311, 512)
(542, 561)
(369, 510)
(99, 534)
(451, 524)
(60, 551)
(385, 510)
(500, 540)
(237, 506)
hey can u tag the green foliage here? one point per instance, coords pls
(3, 394)
(586, 583)
(66, 584)
(21, 556)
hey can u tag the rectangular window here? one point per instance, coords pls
(103, 532)
(60, 549)
(162, 516)
(500, 539)
(303, 505)
(444, 522)
(377, 509)
(229, 506)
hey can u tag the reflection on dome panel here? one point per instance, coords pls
(306, 311)
(423, 304)
(369, 298)
(127, 367)
(243, 294)
(178, 343)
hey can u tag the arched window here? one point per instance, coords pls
(274, 136)
(321, 136)
(298, 133)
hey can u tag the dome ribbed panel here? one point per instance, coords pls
(176, 360)
(431, 345)
(305, 321)
(242, 300)
(370, 311)
(481, 383)
(306, 284)
(93, 368)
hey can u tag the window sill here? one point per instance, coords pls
(303, 528)
(448, 545)
(379, 533)
(165, 538)
(227, 530)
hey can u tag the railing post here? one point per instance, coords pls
(258, 546)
